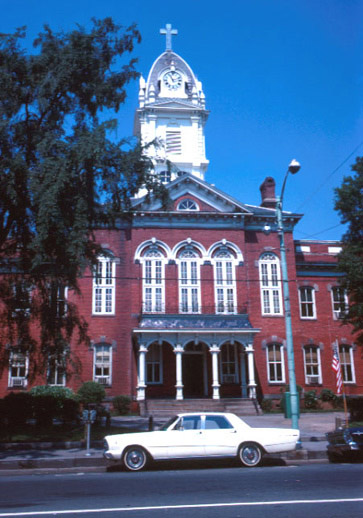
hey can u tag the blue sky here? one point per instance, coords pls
(283, 79)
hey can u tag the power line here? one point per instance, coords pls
(327, 178)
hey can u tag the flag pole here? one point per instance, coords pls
(343, 388)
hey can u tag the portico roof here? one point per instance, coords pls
(201, 327)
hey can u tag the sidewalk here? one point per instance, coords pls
(74, 456)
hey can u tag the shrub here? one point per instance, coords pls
(50, 402)
(91, 393)
(44, 410)
(311, 399)
(327, 395)
(355, 406)
(121, 404)
(17, 408)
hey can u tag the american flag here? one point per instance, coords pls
(336, 368)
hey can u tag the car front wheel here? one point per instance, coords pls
(135, 458)
(250, 454)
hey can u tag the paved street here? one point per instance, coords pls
(276, 491)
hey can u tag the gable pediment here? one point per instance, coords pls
(207, 197)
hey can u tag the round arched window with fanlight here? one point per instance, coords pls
(187, 204)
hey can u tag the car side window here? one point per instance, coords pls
(217, 422)
(191, 423)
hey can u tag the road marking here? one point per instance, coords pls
(182, 506)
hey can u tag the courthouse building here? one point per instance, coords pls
(188, 303)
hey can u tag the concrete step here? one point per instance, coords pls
(165, 408)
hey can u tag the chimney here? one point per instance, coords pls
(267, 189)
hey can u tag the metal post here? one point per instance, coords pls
(293, 168)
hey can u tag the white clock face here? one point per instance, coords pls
(172, 80)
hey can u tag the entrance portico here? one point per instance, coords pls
(210, 351)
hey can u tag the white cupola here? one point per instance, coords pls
(172, 112)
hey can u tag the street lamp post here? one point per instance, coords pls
(293, 168)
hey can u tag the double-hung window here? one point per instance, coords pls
(347, 363)
(56, 371)
(154, 364)
(307, 302)
(189, 282)
(229, 364)
(312, 364)
(153, 285)
(102, 364)
(339, 302)
(18, 369)
(104, 287)
(270, 284)
(225, 285)
(275, 363)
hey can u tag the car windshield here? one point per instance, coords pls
(169, 423)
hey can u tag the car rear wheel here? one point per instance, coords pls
(250, 454)
(135, 458)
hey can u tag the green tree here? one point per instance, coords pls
(349, 203)
(62, 173)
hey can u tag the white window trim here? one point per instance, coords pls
(185, 200)
(351, 356)
(308, 377)
(103, 286)
(282, 352)
(270, 288)
(236, 365)
(338, 314)
(160, 362)
(102, 380)
(312, 303)
(18, 381)
(189, 286)
(57, 365)
(224, 285)
(153, 285)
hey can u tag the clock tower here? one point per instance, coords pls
(172, 113)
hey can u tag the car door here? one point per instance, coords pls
(219, 436)
(185, 440)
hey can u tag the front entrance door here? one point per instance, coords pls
(193, 374)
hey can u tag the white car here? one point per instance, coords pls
(200, 435)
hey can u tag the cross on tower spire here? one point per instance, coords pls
(169, 33)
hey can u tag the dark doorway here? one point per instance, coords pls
(193, 375)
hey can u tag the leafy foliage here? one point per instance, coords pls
(62, 175)
(349, 203)
(121, 404)
(91, 393)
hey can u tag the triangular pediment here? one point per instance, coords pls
(207, 197)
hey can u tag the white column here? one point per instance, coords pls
(141, 385)
(251, 371)
(178, 349)
(214, 349)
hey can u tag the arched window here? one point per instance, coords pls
(154, 281)
(224, 281)
(312, 364)
(188, 204)
(189, 281)
(104, 286)
(270, 284)
(275, 363)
